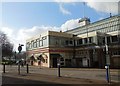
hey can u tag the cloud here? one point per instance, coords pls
(105, 7)
(63, 10)
(70, 24)
(19, 36)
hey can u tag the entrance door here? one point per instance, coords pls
(55, 62)
(79, 62)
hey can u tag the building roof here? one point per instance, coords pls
(94, 23)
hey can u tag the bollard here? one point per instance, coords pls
(58, 69)
(107, 73)
(19, 69)
(3, 68)
(27, 68)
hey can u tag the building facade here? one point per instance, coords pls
(84, 46)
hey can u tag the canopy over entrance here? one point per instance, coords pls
(55, 55)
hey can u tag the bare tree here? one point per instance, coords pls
(5, 45)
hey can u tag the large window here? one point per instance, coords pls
(35, 44)
(37, 40)
(114, 38)
(32, 44)
(69, 42)
(85, 40)
(79, 41)
(108, 39)
(40, 43)
(28, 45)
(90, 39)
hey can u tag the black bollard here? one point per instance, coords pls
(19, 69)
(27, 68)
(3, 68)
(58, 69)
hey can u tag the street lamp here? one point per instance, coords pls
(107, 61)
(19, 49)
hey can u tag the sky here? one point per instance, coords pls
(21, 20)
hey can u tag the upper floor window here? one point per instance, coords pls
(35, 44)
(28, 45)
(69, 42)
(85, 40)
(32, 43)
(90, 39)
(40, 43)
(79, 41)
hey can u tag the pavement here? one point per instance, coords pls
(75, 76)
(32, 78)
(85, 73)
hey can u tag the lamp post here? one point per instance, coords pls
(107, 61)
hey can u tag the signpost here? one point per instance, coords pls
(19, 49)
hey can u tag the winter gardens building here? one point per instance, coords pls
(84, 46)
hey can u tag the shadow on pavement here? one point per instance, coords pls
(10, 81)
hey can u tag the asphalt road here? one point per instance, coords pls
(86, 73)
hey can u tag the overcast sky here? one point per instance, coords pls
(21, 20)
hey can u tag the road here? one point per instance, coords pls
(86, 73)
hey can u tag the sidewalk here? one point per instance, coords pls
(32, 78)
(81, 73)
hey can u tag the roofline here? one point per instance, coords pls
(94, 22)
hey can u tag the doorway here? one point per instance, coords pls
(55, 62)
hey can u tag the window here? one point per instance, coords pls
(61, 59)
(108, 40)
(85, 40)
(114, 39)
(66, 42)
(28, 45)
(37, 42)
(90, 39)
(104, 40)
(34, 44)
(40, 43)
(80, 41)
(71, 42)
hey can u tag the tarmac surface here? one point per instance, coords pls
(48, 76)
(40, 79)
